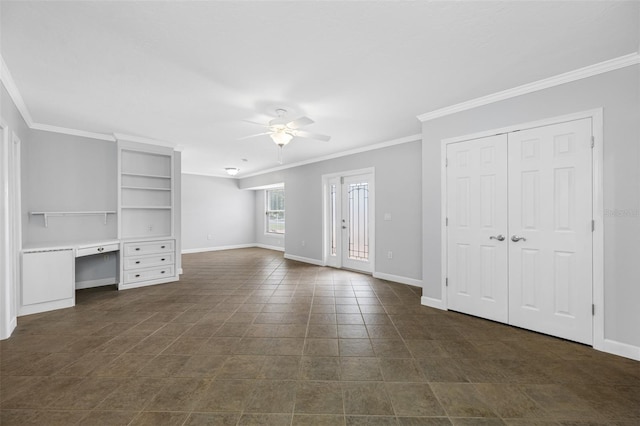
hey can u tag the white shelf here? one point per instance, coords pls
(147, 207)
(146, 175)
(47, 215)
(146, 188)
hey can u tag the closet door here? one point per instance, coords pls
(550, 241)
(477, 227)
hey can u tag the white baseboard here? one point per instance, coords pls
(621, 349)
(268, 247)
(95, 283)
(398, 279)
(433, 303)
(304, 259)
(5, 334)
(217, 248)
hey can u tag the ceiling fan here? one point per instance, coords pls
(282, 130)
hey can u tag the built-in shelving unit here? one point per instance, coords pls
(146, 214)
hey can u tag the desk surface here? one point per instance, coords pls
(67, 245)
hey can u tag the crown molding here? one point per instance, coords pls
(140, 139)
(10, 84)
(567, 77)
(73, 132)
(406, 139)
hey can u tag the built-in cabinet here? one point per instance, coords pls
(146, 226)
(144, 252)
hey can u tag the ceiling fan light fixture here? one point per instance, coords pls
(281, 137)
(232, 171)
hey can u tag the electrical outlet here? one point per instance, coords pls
(389, 255)
(302, 243)
(150, 227)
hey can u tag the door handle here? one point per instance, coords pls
(344, 227)
(516, 238)
(497, 237)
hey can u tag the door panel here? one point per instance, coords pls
(550, 187)
(476, 211)
(356, 221)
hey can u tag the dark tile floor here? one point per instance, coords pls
(249, 338)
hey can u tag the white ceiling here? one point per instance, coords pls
(190, 72)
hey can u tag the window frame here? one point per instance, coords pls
(269, 211)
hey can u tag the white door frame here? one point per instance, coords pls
(325, 216)
(596, 116)
(9, 213)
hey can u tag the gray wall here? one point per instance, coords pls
(217, 207)
(618, 92)
(262, 238)
(397, 191)
(68, 173)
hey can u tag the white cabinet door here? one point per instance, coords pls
(477, 229)
(47, 281)
(550, 191)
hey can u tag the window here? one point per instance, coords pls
(275, 211)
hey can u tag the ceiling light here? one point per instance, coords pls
(232, 171)
(281, 137)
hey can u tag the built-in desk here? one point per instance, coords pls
(49, 273)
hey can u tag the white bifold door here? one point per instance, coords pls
(519, 234)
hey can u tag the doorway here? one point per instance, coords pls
(349, 220)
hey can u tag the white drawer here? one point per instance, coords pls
(150, 247)
(89, 250)
(137, 262)
(148, 274)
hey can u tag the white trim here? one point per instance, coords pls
(265, 187)
(15, 195)
(406, 139)
(139, 139)
(72, 132)
(567, 77)
(80, 285)
(7, 259)
(398, 279)
(433, 303)
(597, 122)
(596, 116)
(217, 248)
(620, 349)
(14, 93)
(304, 259)
(443, 228)
(268, 247)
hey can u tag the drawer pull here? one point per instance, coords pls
(162, 246)
(162, 260)
(137, 248)
(137, 262)
(137, 275)
(162, 272)
(101, 249)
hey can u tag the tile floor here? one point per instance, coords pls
(247, 338)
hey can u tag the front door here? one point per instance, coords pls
(355, 222)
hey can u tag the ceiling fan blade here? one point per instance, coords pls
(255, 122)
(316, 136)
(299, 122)
(253, 136)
